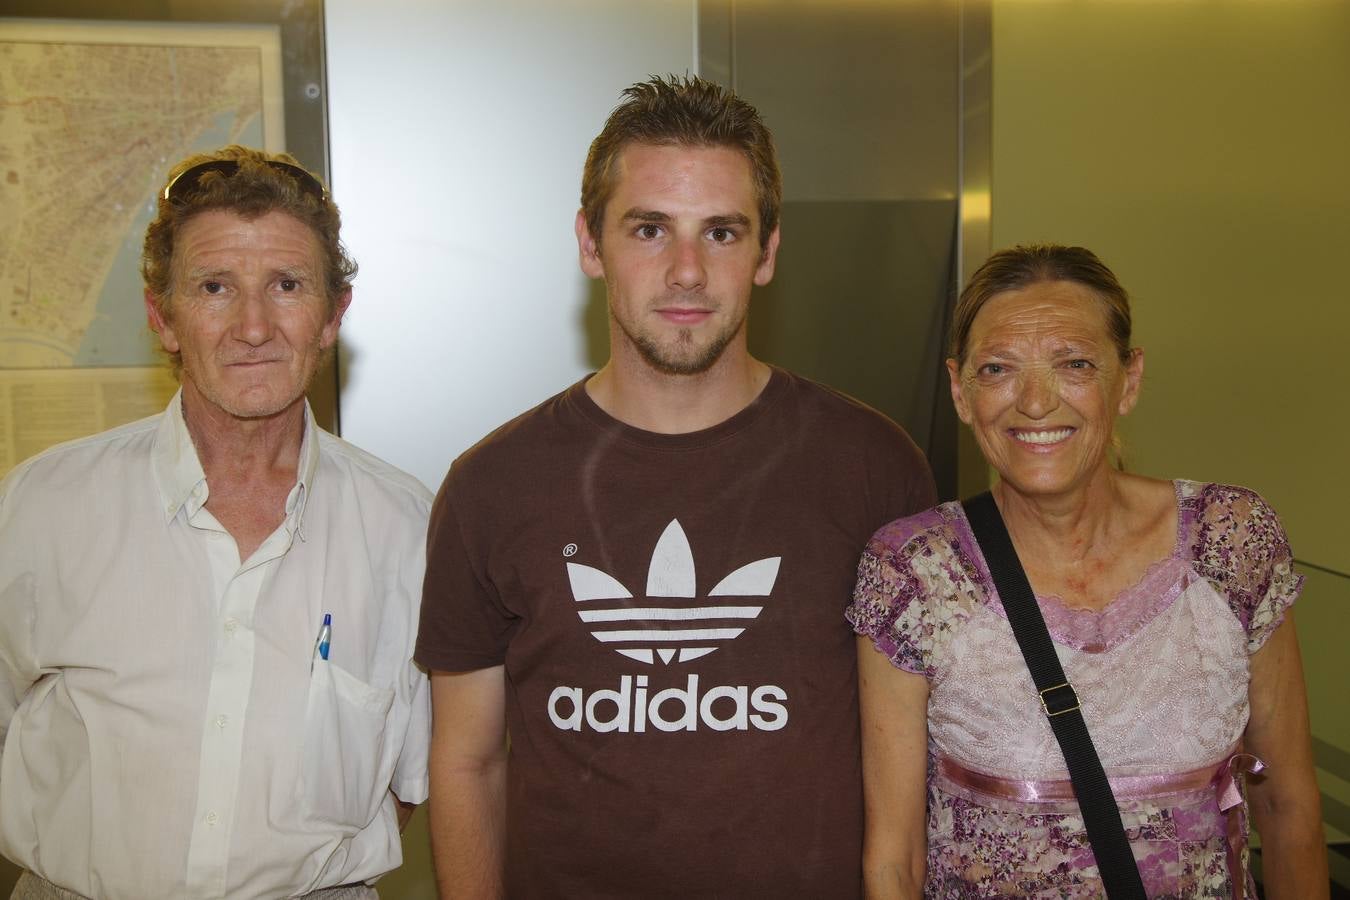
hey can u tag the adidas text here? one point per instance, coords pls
(632, 708)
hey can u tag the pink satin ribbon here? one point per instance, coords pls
(1227, 783)
(1224, 779)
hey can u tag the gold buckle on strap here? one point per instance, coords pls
(1059, 703)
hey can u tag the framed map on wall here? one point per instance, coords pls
(92, 116)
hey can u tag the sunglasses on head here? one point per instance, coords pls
(187, 180)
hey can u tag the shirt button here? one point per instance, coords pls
(231, 625)
(212, 818)
(221, 721)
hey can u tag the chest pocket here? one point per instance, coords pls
(346, 767)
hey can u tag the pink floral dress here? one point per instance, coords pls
(1161, 674)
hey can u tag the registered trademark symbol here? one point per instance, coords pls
(570, 550)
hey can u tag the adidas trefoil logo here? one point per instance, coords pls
(647, 632)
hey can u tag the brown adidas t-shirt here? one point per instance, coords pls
(681, 689)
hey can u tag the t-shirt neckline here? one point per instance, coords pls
(772, 392)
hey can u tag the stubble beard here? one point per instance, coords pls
(682, 356)
(239, 405)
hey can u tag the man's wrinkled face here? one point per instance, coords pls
(247, 311)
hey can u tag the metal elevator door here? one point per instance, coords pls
(865, 103)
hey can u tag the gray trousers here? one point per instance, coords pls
(31, 887)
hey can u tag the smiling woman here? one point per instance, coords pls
(1168, 603)
(1041, 382)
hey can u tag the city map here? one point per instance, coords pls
(92, 116)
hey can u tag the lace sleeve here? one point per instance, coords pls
(1243, 550)
(894, 604)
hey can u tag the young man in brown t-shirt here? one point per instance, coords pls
(643, 579)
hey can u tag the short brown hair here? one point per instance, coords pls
(1027, 264)
(255, 190)
(688, 111)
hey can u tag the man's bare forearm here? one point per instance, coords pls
(468, 830)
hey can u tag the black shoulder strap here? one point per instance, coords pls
(1115, 861)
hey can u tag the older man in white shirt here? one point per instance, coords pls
(207, 617)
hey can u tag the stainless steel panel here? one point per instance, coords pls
(861, 96)
(872, 103)
(858, 302)
(974, 236)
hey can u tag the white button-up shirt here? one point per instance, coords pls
(169, 727)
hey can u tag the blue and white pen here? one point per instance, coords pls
(325, 635)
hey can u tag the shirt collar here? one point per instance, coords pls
(182, 481)
(298, 498)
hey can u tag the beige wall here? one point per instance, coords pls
(1202, 148)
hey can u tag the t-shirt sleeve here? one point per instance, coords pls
(463, 626)
(906, 478)
(1244, 550)
(892, 604)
